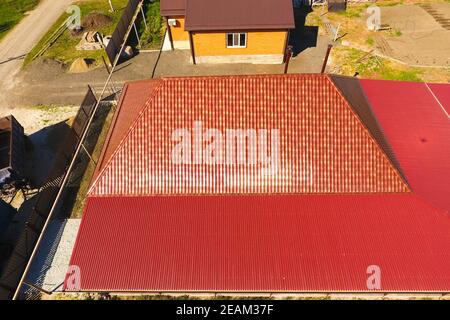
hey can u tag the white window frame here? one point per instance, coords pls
(238, 35)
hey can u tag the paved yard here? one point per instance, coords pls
(48, 83)
(52, 260)
(423, 38)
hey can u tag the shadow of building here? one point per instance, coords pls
(302, 37)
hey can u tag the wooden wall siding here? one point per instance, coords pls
(214, 43)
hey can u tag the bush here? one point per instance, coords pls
(152, 35)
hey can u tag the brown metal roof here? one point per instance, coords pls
(173, 7)
(239, 15)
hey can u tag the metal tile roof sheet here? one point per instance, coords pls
(441, 91)
(239, 15)
(418, 129)
(173, 7)
(324, 147)
(262, 243)
(136, 94)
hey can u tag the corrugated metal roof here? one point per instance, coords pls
(262, 243)
(352, 91)
(324, 148)
(239, 15)
(136, 94)
(173, 7)
(418, 130)
(442, 93)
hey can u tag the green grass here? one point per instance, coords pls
(370, 41)
(64, 48)
(402, 75)
(12, 11)
(80, 199)
(389, 3)
(396, 33)
(368, 66)
(354, 11)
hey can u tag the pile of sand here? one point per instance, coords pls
(95, 21)
(81, 65)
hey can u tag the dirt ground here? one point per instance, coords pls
(416, 38)
(414, 47)
(422, 39)
(47, 82)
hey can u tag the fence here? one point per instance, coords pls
(119, 35)
(15, 272)
(14, 268)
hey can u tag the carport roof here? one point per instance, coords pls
(239, 15)
(414, 118)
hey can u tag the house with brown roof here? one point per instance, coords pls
(240, 31)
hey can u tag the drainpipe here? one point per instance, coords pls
(191, 42)
(288, 57)
(169, 32)
(326, 58)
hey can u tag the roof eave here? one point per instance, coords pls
(173, 12)
(242, 27)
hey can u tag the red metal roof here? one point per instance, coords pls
(239, 15)
(418, 130)
(441, 92)
(136, 94)
(324, 147)
(262, 243)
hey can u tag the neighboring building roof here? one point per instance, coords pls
(262, 243)
(173, 7)
(239, 15)
(441, 92)
(324, 147)
(417, 126)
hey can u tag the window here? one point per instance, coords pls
(236, 40)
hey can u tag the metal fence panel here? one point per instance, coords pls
(16, 264)
(118, 36)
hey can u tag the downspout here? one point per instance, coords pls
(191, 42)
(286, 42)
(169, 32)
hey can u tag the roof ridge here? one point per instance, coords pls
(123, 140)
(249, 76)
(367, 131)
